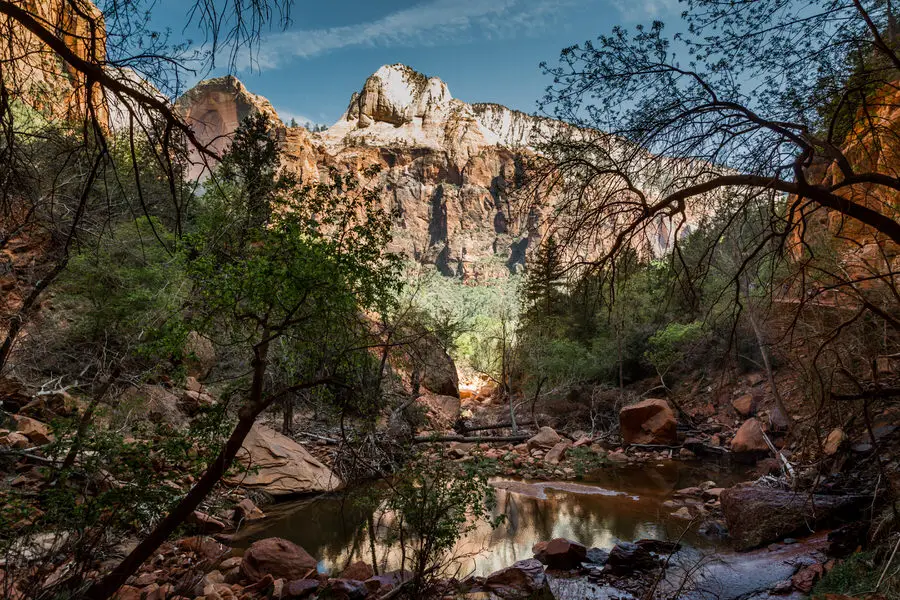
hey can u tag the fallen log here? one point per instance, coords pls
(430, 439)
(498, 426)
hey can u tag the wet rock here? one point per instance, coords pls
(597, 556)
(345, 589)
(557, 454)
(524, 579)
(749, 439)
(713, 530)
(757, 515)
(745, 405)
(360, 571)
(560, 553)
(658, 546)
(626, 557)
(300, 588)
(648, 422)
(279, 558)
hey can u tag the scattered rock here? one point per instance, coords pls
(281, 466)
(205, 523)
(279, 558)
(683, 513)
(360, 571)
(806, 578)
(300, 588)
(745, 405)
(443, 411)
(193, 402)
(545, 438)
(459, 449)
(749, 438)
(203, 546)
(14, 439)
(345, 589)
(200, 356)
(834, 441)
(34, 430)
(757, 515)
(648, 422)
(153, 403)
(247, 511)
(713, 530)
(557, 453)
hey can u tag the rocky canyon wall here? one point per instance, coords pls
(449, 171)
(35, 75)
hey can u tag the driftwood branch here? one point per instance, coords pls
(430, 439)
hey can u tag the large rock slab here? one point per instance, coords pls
(524, 579)
(649, 422)
(281, 466)
(757, 515)
(279, 558)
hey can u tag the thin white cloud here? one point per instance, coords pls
(642, 10)
(427, 24)
(287, 116)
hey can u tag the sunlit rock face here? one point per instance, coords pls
(35, 74)
(872, 146)
(214, 109)
(449, 171)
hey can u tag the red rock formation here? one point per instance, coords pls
(36, 75)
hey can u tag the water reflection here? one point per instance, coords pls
(615, 504)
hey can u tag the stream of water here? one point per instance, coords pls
(621, 503)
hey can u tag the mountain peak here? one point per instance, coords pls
(397, 94)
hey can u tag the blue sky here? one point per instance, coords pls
(485, 50)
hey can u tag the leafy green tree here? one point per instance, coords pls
(276, 262)
(433, 505)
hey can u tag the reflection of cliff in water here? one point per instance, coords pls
(620, 504)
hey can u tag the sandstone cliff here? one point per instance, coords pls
(449, 169)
